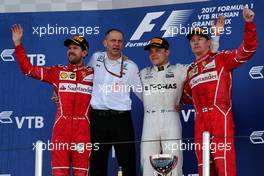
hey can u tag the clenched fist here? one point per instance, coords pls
(248, 14)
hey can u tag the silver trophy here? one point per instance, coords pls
(163, 164)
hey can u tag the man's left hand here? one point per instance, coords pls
(178, 107)
(248, 14)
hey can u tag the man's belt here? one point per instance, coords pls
(108, 112)
(150, 111)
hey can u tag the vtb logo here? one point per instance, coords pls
(176, 18)
(24, 121)
(255, 72)
(257, 137)
(7, 55)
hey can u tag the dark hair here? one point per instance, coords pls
(113, 29)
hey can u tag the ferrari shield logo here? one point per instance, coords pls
(193, 71)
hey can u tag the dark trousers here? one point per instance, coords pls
(109, 126)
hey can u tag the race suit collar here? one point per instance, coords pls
(74, 67)
(162, 67)
(203, 57)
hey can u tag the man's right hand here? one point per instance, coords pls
(55, 98)
(17, 33)
(178, 107)
(218, 26)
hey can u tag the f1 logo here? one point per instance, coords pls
(256, 137)
(145, 25)
(176, 18)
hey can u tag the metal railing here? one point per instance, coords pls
(255, 138)
(206, 153)
(39, 158)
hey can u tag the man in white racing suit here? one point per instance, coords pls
(162, 89)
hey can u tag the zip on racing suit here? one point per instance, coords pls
(209, 83)
(73, 85)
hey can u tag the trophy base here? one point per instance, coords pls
(159, 174)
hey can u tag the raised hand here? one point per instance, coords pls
(248, 14)
(218, 26)
(17, 33)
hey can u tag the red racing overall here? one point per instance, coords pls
(209, 83)
(71, 130)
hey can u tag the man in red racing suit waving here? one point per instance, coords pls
(209, 83)
(73, 85)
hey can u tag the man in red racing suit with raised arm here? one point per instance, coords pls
(209, 83)
(73, 85)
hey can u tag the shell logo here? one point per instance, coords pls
(63, 75)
